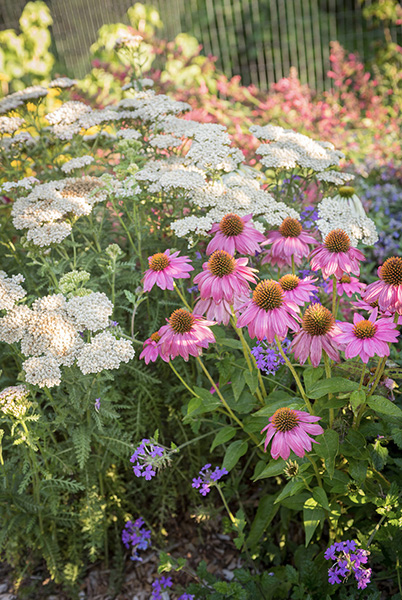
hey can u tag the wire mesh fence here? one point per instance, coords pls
(257, 39)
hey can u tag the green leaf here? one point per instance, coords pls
(273, 468)
(252, 380)
(339, 483)
(384, 406)
(357, 398)
(354, 445)
(291, 574)
(82, 444)
(266, 511)
(312, 516)
(130, 296)
(238, 383)
(199, 406)
(234, 452)
(278, 400)
(321, 497)
(224, 435)
(358, 469)
(311, 376)
(379, 455)
(332, 386)
(327, 448)
(293, 487)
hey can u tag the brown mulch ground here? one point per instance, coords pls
(187, 539)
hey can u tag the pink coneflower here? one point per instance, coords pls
(290, 240)
(268, 312)
(219, 311)
(367, 337)
(387, 291)
(235, 233)
(349, 285)
(297, 290)
(185, 335)
(290, 429)
(224, 277)
(336, 256)
(163, 268)
(361, 304)
(317, 334)
(151, 348)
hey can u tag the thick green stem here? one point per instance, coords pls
(316, 471)
(293, 265)
(295, 375)
(362, 376)
(334, 296)
(225, 504)
(379, 373)
(330, 396)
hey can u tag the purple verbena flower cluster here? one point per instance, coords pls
(207, 478)
(348, 559)
(186, 597)
(267, 355)
(308, 217)
(147, 458)
(158, 586)
(135, 535)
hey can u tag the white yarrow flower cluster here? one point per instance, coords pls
(13, 101)
(170, 174)
(21, 139)
(77, 163)
(63, 82)
(128, 134)
(44, 210)
(240, 194)
(128, 40)
(10, 290)
(334, 177)
(26, 183)
(13, 401)
(337, 213)
(50, 333)
(288, 149)
(10, 124)
(150, 107)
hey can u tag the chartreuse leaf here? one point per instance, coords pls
(266, 511)
(321, 497)
(224, 435)
(384, 406)
(327, 448)
(313, 514)
(234, 452)
(335, 385)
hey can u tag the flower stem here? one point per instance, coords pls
(182, 298)
(222, 399)
(295, 375)
(328, 376)
(378, 374)
(182, 380)
(334, 296)
(362, 376)
(225, 504)
(250, 360)
(293, 265)
(316, 471)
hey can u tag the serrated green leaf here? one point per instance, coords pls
(233, 454)
(384, 406)
(224, 435)
(354, 445)
(82, 445)
(357, 398)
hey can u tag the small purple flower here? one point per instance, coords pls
(159, 585)
(135, 535)
(97, 404)
(148, 458)
(349, 560)
(186, 597)
(207, 478)
(267, 356)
